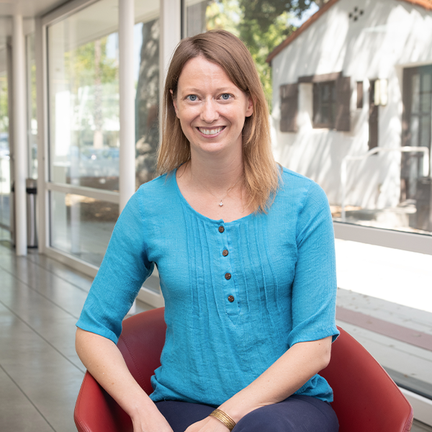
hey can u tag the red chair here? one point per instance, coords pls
(366, 398)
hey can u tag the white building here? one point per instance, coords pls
(355, 76)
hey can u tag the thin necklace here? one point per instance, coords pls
(227, 192)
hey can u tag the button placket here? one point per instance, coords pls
(228, 276)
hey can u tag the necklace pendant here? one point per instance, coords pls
(221, 204)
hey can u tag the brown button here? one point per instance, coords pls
(227, 276)
(231, 298)
(225, 252)
(221, 229)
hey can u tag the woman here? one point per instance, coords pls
(245, 255)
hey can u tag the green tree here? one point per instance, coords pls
(92, 78)
(260, 24)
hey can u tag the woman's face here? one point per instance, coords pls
(211, 109)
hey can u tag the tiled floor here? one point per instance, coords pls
(40, 374)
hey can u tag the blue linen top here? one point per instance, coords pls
(228, 317)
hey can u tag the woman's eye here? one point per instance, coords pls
(225, 96)
(192, 98)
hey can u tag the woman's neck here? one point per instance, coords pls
(215, 190)
(217, 174)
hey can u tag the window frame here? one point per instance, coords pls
(343, 93)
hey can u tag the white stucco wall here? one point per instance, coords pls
(389, 36)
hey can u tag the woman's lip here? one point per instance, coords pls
(210, 132)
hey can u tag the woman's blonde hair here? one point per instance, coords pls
(226, 50)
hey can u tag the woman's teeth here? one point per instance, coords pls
(210, 131)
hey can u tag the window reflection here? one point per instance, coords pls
(373, 157)
(5, 186)
(81, 226)
(147, 99)
(32, 107)
(84, 125)
(84, 98)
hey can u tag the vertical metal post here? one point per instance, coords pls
(42, 98)
(127, 105)
(20, 133)
(127, 101)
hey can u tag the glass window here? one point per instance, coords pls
(260, 26)
(82, 226)
(146, 46)
(324, 104)
(84, 98)
(356, 155)
(31, 106)
(5, 185)
(84, 147)
(415, 178)
(83, 104)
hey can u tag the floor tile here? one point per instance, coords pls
(17, 412)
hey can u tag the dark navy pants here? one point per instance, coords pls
(295, 414)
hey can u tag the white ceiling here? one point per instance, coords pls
(28, 8)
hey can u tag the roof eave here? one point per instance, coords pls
(294, 35)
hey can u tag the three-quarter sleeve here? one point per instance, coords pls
(314, 286)
(123, 270)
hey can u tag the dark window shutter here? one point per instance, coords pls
(373, 118)
(316, 116)
(359, 94)
(343, 98)
(289, 107)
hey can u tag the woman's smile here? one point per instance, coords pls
(212, 132)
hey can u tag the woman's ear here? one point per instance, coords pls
(174, 102)
(250, 106)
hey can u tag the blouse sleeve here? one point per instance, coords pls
(314, 286)
(123, 270)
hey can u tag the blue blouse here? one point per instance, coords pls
(237, 294)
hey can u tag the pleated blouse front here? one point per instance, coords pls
(237, 295)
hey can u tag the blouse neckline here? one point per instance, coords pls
(200, 215)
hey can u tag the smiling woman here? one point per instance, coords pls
(212, 113)
(211, 109)
(211, 54)
(241, 249)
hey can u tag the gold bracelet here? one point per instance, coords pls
(224, 418)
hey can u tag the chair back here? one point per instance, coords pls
(141, 343)
(366, 399)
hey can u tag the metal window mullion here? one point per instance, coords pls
(127, 101)
(101, 195)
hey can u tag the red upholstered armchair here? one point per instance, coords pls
(366, 398)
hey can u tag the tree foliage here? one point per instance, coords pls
(80, 65)
(260, 24)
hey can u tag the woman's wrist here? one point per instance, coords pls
(224, 418)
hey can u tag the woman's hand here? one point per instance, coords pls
(106, 364)
(209, 424)
(151, 424)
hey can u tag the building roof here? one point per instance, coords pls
(427, 4)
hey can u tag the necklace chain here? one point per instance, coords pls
(227, 192)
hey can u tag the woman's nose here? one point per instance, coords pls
(209, 111)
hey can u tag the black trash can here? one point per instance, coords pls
(31, 191)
